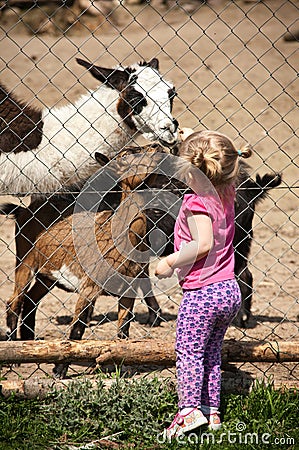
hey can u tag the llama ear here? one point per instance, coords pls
(114, 78)
(154, 64)
(101, 159)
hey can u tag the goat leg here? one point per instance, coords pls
(83, 312)
(15, 303)
(245, 281)
(13, 311)
(154, 310)
(125, 316)
(31, 301)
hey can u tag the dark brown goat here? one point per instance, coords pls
(54, 256)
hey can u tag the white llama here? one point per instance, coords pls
(42, 151)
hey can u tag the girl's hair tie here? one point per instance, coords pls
(239, 152)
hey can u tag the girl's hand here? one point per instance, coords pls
(163, 269)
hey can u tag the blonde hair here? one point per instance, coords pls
(215, 155)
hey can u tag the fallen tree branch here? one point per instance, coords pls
(138, 352)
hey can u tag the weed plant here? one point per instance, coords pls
(133, 414)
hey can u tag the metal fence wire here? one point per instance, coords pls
(234, 68)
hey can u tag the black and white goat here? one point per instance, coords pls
(42, 151)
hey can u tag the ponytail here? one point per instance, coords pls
(246, 151)
(215, 155)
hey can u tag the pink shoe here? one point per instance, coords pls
(214, 422)
(183, 423)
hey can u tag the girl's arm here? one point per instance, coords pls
(200, 226)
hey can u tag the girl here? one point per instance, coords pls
(204, 261)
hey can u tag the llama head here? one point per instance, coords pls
(145, 98)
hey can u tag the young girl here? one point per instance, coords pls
(204, 261)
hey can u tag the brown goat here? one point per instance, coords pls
(55, 256)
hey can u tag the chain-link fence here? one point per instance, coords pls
(234, 67)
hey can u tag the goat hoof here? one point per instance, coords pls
(11, 335)
(60, 371)
(4, 335)
(241, 320)
(154, 320)
(123, 335)
(27, 336)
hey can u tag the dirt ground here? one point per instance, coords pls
(234, 73)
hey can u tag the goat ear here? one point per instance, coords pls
(101, 159)
(154, 64)
(114, 78)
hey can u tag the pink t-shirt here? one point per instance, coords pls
(218, 265)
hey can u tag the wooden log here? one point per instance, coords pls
(137, 352)
(260, 351)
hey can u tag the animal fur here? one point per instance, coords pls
(57, 254)
(44, 151)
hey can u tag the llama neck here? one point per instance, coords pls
(71, 136)
(91, 123)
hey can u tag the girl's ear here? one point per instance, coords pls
(101, 159)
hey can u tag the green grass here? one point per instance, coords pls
(135, 412)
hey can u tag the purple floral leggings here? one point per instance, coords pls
(203, 318)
